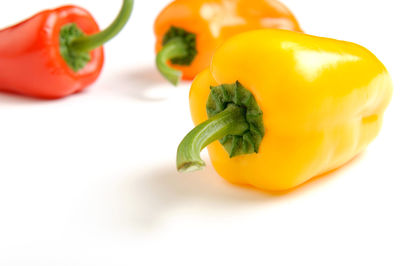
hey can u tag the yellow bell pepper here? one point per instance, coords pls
(285, 107)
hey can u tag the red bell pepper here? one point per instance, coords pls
(56, 52)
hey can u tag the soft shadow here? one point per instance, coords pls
(148, 200)
(144, 84)
(12, 99)
(15, 99)
(154, 196)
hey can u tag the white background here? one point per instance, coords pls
(91, 180)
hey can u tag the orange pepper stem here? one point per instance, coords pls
(231, 121)
(175, 48)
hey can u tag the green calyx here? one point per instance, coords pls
(249, 141)
(179, 47)
(75, 59)
(235, 119)
(75, 45)
(189, 40)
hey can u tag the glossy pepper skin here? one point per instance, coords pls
(322, 102)
(214, 21)
(30, 61)
(56, 52)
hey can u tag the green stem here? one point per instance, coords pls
(89, 42)
(231, 121)
(176, 47)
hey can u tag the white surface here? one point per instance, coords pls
(90, 179)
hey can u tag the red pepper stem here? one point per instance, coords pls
(90, 42)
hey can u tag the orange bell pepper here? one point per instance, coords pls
(189, 31)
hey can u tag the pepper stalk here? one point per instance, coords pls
(231, 121)
(179, 48)
(75, 45)
(235, 119)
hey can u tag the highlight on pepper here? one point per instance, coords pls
(285, 108)
(56, 52)
(188, 31)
